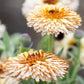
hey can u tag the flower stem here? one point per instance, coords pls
(35, 81)
(76, 66)
(50, 49)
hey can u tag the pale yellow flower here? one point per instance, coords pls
(66, 42)
(82, 52)
(4, 79)
(29, 5)
(53, 19)
(38, 65)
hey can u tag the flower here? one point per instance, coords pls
(2, 28)
(38, 65)
(82, 51)
(4, 79)
(25, 38)
(63, 42)
(28, 5)
(67, 42)
(53, 20)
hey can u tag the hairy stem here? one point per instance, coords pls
(50, 49)
(76, 66)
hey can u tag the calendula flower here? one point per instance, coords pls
(82, 51)
(2, 28)
(53, 20)
(28, 5)
(38, 65)
(63, 41)
(4, 79)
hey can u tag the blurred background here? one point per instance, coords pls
(11, 16)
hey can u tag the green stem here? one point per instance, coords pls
(20, 48)
(35, 81)
(76, 66)
(50, 49)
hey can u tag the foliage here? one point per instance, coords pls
(43, 44)
(12, 45)
(9, 45)
(60, 53)
(72, 77)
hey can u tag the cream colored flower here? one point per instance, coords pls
(65, 43)
(38, 65)
(29, 5)
(53, 20)
(2, 28)
(4, 79)
(82, 51)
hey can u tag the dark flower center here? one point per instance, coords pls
(33, 57)
(52, 11)
(50, 1)
(60, 36)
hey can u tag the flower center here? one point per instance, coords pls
(50, 1)
(53, 13)
(34, 56)
(60, 36)
(1, 71)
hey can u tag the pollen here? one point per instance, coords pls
(53, 13)
(31, 57)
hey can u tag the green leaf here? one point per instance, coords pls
(77, 60)
(71, 68)
(52, 82)
(79, 36)
(30, 81)
(22, 51)
(2, 47)
(31, 45)
(6, 41)
(42, 82)
(60, 53)
(70, 54)
(43, 44)
(15, 39)
(80, 80)
(3, 54)
(81, 68)
(25, 50)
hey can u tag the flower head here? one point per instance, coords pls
(82, 51)
(53, 19)
(4, 79)
(64, 42)
(28, 5)
(38, 65)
